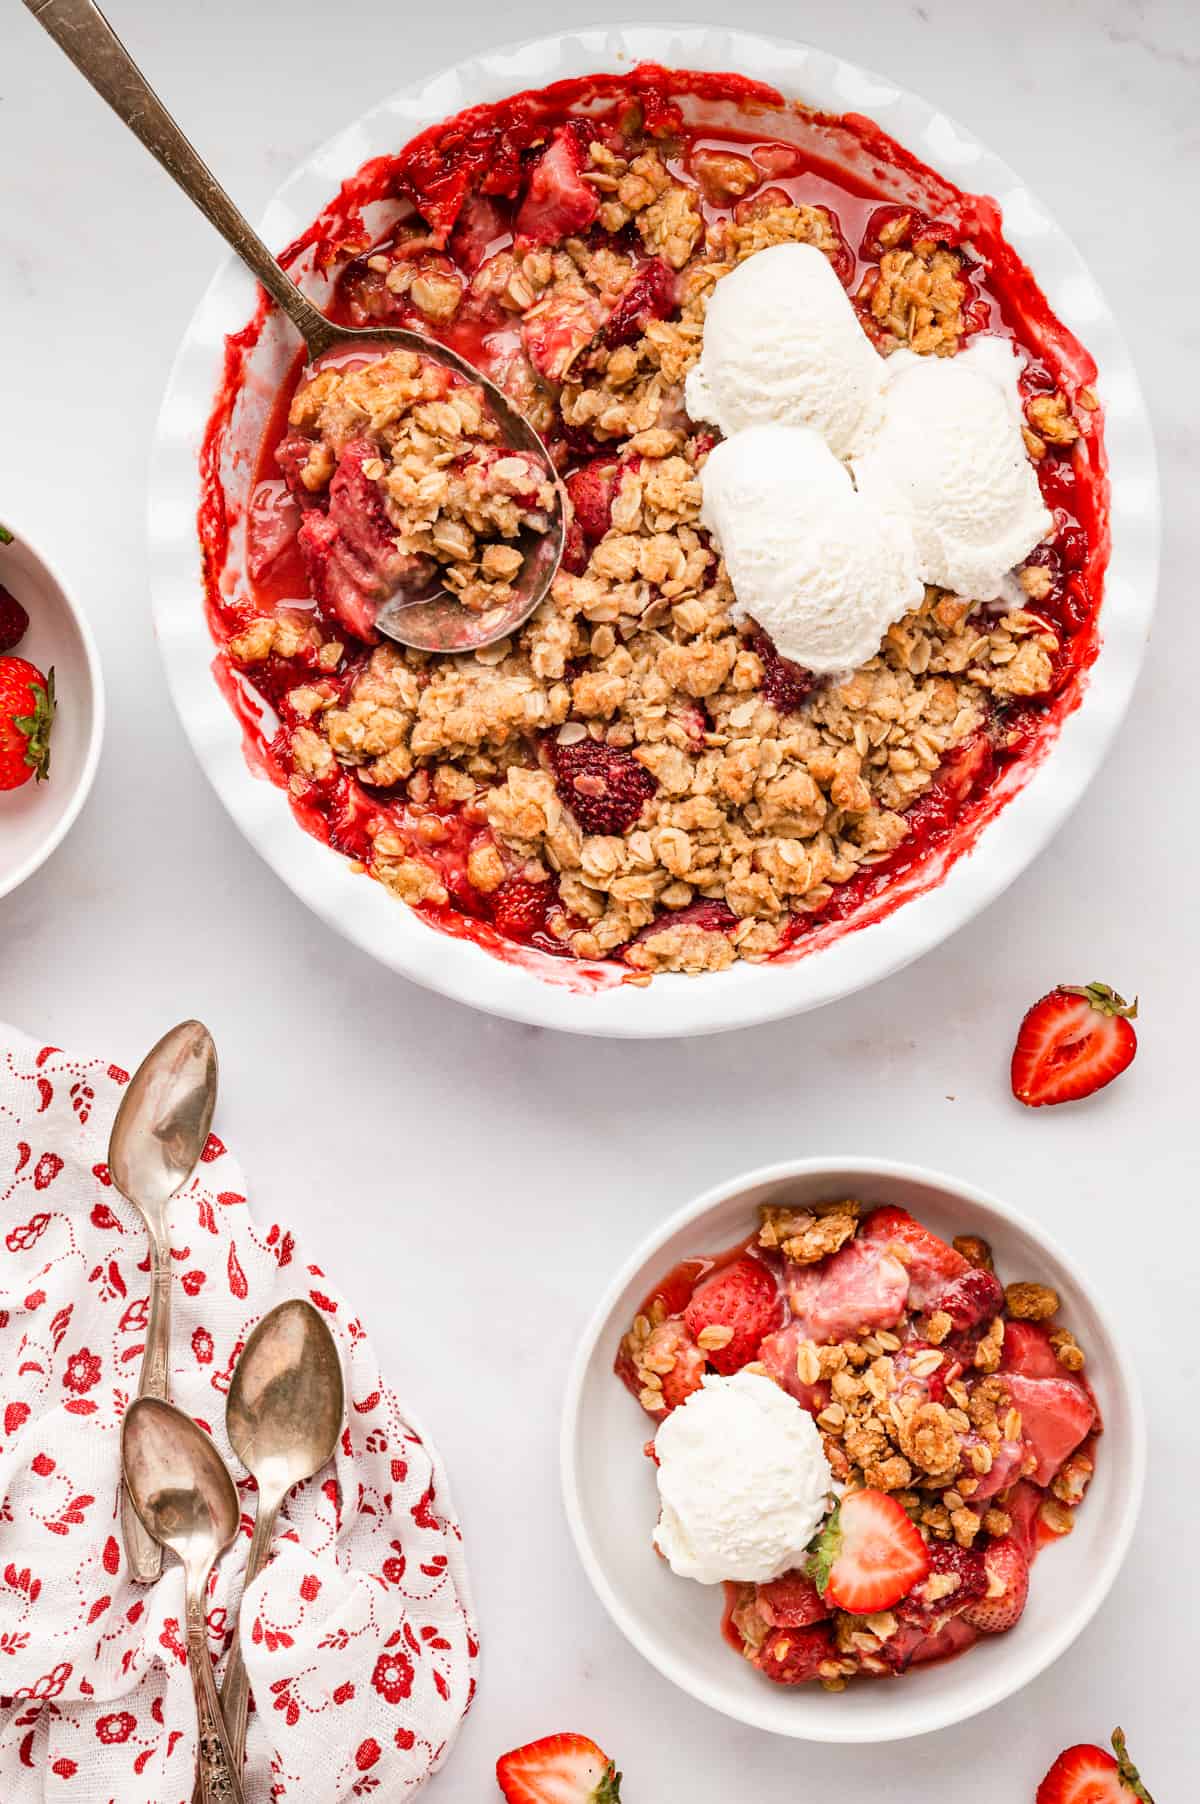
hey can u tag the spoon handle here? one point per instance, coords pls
(82, 30)
(235, 1686)
(143, 1553)
(217, 1773)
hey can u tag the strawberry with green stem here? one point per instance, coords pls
(1086, 1774)
(869, 1556)
(1072, 1043)
(559, 1769)
(26, 718)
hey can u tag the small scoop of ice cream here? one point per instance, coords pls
(743, 1481)
(782, 345)
(821, 568)
(943, 448)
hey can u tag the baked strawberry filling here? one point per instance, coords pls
(637, 779)
(959, 1430)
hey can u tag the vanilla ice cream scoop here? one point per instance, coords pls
(822, 569)
(742, 1479)
(943, 447)
(782, 344)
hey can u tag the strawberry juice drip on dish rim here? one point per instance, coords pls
(483, 147)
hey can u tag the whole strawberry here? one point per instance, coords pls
(1086, 1774)
(26, 717)
(603, 786)
(1072, 1043)
(14, 621)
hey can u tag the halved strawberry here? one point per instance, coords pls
(1072, 1043)
(558, 202)
(1027, 1349)
(939, 1278)
(794, 1656)
(791, 1601)
(741, 1298)
(1003, 1603)
(863, 1286)
(778, 1354)
(1086, 1774)
(870, 1554)
(558, 1769)
(1056, 1415)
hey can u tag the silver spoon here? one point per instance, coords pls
(157, 1138)
(283, 1416)
(429, 623)
(186, 1499)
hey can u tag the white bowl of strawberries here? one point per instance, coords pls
(982, 1431)
(51, 710)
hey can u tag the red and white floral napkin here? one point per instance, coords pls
(358, 1638)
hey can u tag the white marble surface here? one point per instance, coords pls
(471, 1183)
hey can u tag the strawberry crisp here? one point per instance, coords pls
(636, 776)
(957, 1423)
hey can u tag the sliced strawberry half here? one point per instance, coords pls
(1027, 1349)
(791, 1601)
(559, 1769)
(1056, 1415)
(939, 1278)
(870, 1554)
(862, 1287)
(794, 1656)
(1072, 1043)
(742, 1300)
(1003, 1603)
(558, 202)
(1086, 1774)
(778, 1355)
(592, 488)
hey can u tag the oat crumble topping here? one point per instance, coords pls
(760, 792)
(917, 1391)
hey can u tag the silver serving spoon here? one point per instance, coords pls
(283, 1416)
(157, 1138)
(429, 623)
(186, 1499)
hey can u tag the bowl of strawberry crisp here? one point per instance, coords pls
(851, 1450)
(861, 546)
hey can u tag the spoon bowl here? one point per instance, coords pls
(178, 1483)
(424, 618)
(163, 1122)
(286, 1402)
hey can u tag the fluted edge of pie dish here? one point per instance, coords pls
(600, 1449)
(672, 1005)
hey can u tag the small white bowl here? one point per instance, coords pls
(36, 818)
(612, 1506)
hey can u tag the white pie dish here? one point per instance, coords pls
(552, 992)
(36, 818)
(611, 1500)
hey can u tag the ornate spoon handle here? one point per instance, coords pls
(143, 1553)
(235, 1686)
(216, 1770)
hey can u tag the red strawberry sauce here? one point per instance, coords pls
(486, 152)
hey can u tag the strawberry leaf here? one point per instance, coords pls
(609, 1789)
(35, 728)
(1104, 999)
(6, 537)
(1128, 1773)
(826, 1551)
